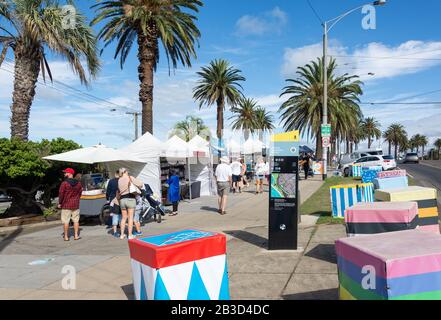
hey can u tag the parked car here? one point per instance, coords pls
(386, 162)
(350, 158)
(411, 157)
(4, 197)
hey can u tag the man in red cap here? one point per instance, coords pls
(69, 202)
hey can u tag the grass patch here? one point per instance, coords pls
(320, 202)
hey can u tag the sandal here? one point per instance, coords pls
(76, 239)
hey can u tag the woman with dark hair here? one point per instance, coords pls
(173, 193)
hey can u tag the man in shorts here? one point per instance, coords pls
(236, 169)
(69, 197)
(223, 179)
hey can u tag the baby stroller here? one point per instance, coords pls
(150, 207)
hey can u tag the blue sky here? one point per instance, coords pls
(267, 40)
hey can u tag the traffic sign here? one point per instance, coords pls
(326, 130)
(326, 142)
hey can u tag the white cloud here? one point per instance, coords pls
(382, 60)
(258, 25)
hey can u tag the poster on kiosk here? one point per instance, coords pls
(283, 203)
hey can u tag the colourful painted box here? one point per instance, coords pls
(186, 265)
(404, 265)
(391, 183)
(381, 217)
(345, 196)
(427, 204)
(369, 176)
(392, 174)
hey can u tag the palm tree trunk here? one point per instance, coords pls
(27, 69)
(220, 121)
(318, 145)
(147, 55)
(390, 148)
(369, 142)
(396, 150)
(246, 134)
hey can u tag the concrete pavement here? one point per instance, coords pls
(103, 266)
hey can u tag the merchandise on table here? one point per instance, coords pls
(391, 183)
(426, 198)
(392, 174)
(404, 265)
(345, 196)
(380, 217)
(186, 265)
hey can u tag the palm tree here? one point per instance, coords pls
(149, 22)
(219, 84)
(190, 128)
(244, 115)
(437, 144)
(387, 136)
(424, 141)
(33, 28)
(397, 136)
(264, 122)
(418, 141)
(304, 109)
(371, 129)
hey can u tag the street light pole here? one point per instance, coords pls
(327, 26)
(325, 96)
(136, 117)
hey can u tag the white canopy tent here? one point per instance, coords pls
(252, 146)
(148, 149)
(202, 165)
(95, 154)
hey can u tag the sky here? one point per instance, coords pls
(266, 40)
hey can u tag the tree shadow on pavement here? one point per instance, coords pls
(328, 294)
(5, 241)
(325, 252)
(251, 238)
(210, 209)
(129, 291)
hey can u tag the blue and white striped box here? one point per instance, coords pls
(345, 196)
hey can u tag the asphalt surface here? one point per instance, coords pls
(425, 176)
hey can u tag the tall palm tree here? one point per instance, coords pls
(388, 137)
(398, 137)
(149, 22)
(244, 116)
(416, 142)
(437, 144)
(32, 29)
(424, 141)
(219, 83)
(264, 122)
(371, 129)
(304, 108)
(190, 128)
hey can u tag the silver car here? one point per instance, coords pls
(411, 158)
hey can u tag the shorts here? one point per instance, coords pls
(223, 188)
(127, 203)
(260, 177)
(116, 219)
(68, 215)
(237, 178)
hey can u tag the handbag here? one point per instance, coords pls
(133, 189)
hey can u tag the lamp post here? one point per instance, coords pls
(327, 26)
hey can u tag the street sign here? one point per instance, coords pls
(284, 190)
(326, 142)
(326, 130)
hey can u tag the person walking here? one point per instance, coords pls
(306, 165)
(173, 194)
(243, 173)
(236, 170)
(128, 188)
(69, 197)
(223, 176)
(260, 175)
(111, 193)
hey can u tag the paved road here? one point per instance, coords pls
(425, 176)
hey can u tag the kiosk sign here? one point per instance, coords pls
(283, 203)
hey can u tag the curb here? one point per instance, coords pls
(29, 226)
(429, 165)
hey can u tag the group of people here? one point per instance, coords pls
(124, 196)
(233, 177)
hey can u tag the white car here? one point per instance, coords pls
(387, 162)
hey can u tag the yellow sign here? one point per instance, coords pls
(293, 136)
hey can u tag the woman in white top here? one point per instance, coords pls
(260, 175)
